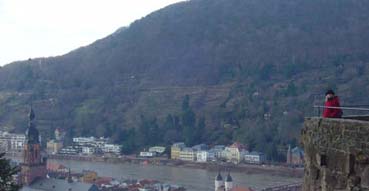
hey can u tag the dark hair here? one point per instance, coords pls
(329, 92)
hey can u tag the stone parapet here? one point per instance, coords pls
(336, 154)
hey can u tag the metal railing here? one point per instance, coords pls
(350, 108)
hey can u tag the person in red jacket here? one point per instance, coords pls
(332, 101)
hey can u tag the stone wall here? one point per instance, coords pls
(336, 154)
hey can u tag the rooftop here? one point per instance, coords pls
(241, 189)
(56, 184)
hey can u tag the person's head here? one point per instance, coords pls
(329, 94)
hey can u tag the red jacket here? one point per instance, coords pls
(330, 112)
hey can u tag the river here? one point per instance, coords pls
(191, 179)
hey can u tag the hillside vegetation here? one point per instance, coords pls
(248, 69)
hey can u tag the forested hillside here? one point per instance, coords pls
(212, 71)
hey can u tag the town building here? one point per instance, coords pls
(56, 167)
(218, 151)
(53, 147)
(176, 149)
(88, 150)
(58, 184)
(34, 165)
(59, 135)
(89, 176)
(295, 156)
(92, 145)
(159, 150)
(100, 142)
(235, 152)
(69, 150)
(84, 141)
(147, 154)
(12, 142)
(254, 158)
(4, 142)
(187, 154)
(205, 156)
(17, 142)
(111, 148)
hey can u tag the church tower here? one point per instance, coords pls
(218, 182)
(33, 166)
(229, 182)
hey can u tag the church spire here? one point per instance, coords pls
(31, 114)
(32, 134)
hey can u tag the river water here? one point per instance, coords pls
(191, 179)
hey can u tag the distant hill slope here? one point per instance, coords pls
(248, 66)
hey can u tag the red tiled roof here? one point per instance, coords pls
(241, 189)
(55, 166)
(103, 180)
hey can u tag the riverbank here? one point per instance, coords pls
(272, 170)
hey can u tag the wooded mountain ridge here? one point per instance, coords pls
(249, 70)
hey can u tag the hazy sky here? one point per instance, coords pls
(41, 28)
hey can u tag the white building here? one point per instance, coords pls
(187, 154)
(53, 147)
(88, 150)
(68, 151)
(219, 151)
(147, 154)
(83, 140)
(111, 148)
(101, 142)
(254, 158)
(235, 153)
(59, 135)
(86, 144)
(205, 156)
(157, 149)
(11, 141)
(17, 141)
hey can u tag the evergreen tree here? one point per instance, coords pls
(171, 130)
(127, 138)
(148, 132)
(169, 123)
(154, 135)
(186, 103)
(199, 131)
(142, 134)
(188, 122)
(6, 173)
